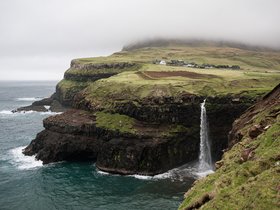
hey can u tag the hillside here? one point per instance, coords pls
(134, 71)
(248, 175)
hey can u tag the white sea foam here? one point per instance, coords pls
(137, 176)
(101, 172)
(204, 173)
(50, 113)
(29, 99)
(165, 175)
(22, 161)
(8, 112)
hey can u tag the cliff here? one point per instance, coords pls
(130, 115)
(247, 177)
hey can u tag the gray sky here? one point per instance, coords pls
(38, 38)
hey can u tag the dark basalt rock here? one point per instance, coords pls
(185, 110)
(94, 72)
(87, 77)
(52, 146)
(40, 106)
(74, 136)
(96, 66)
(146, 156)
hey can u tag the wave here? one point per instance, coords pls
(138, 176)
(165, 175)
(8, 112)
(22, 161)
(204, 173)
(29, 99)
(189, 170)
(50, 113)
(47, 107)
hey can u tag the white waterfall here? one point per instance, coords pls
(205, 160)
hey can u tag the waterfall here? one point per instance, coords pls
(205, 160)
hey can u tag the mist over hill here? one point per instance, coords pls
(162, 42)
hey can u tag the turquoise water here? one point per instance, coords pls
(26, 184)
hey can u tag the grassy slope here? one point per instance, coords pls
(128, 125)
(260, 72)
(251, 184)
(248, 60)
(134, 83)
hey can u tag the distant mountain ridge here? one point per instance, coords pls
(160, 42)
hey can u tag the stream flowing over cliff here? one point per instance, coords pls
(144, 136)
(250, 166)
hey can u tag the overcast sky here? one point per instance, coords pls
(38, 38)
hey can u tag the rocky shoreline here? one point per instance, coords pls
(44, 105)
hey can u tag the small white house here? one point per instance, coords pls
(162, 62)
(189, 65)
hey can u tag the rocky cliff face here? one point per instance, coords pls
(160, 135)
(77, 135)
(132, 116)
(248, 175)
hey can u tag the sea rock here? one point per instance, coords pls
(44, 105)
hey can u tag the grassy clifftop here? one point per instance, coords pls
(248, 60)
(131, 75)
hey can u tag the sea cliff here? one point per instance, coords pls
(132, 116)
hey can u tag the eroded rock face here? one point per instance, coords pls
(96, 71)
(74, 135)
(95, 66)
(52, 146)
(45, 105)
(146, 156)
(185, 110)
(238, 131)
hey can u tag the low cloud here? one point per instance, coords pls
(43, 36)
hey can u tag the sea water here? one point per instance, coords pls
(26, 184)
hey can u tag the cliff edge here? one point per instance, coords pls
(247, 177)
(138, 111)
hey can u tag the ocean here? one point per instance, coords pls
(27, 184)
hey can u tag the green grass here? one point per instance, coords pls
(245, 185)
(260, 72)
(69, 88)
(248, 60)
(93, 72)
(115, 122)
(130, 86)
(128, 125)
